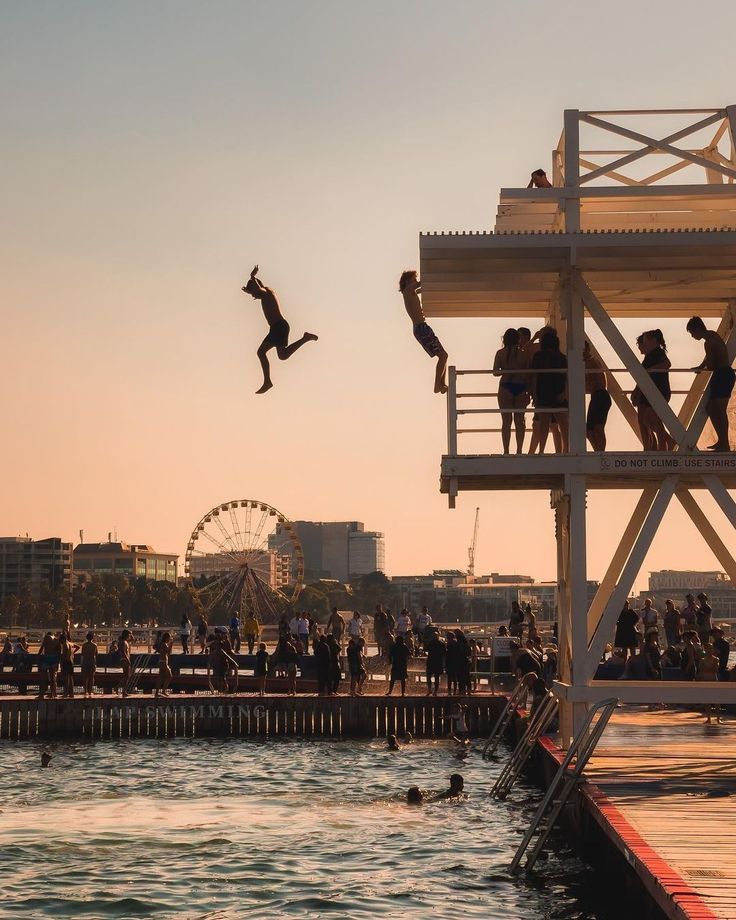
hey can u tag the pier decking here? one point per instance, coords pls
(662, 787)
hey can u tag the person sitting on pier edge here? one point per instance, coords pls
(550, 391)
(164, 649)
(652, 654)
(627, 636)
(722, 379)
(722, 650)
(654, 435)
(89, 664)
(539, 180)
(261, 668)
(399, 658)
(600, 400)
(436, 650)
(513, 393)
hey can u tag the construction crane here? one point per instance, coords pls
(471, 548)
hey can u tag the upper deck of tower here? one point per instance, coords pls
(652, 241)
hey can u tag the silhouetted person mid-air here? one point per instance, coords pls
(278, 332)
(410, 287)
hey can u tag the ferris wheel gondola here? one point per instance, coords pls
(244, 556)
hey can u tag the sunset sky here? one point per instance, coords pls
(154, 152)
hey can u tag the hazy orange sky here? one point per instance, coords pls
(154, 152)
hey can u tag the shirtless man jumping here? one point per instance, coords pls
(278, 333)
(721, 382)
(410, 287)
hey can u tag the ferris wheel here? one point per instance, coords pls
(245, 556)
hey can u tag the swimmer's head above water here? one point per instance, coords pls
(414, 796)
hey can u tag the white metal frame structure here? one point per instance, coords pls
(602, 244)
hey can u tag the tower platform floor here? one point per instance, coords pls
(623, 470)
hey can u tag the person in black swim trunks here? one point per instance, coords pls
(278, 333)
(600, 400)
(410, 286)
(721, 382)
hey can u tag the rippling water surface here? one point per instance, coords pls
(197, 828)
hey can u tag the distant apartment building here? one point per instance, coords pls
(272, 567)
(335, 549)
(670, 584)
(133, 560)
(39, 564)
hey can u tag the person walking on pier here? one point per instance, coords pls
(164, 664)
(399, 658)
(513, 393)
(89, 665)
(721, 382)
(251, 630)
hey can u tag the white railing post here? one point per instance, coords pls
(452, 411)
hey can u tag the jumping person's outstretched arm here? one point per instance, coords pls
(255, 279)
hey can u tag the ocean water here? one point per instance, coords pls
(230, 828)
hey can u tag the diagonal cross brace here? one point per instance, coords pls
(629, 573)
(652, 144)
(708, 532)
(611, 331)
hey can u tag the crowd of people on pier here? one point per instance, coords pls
(532, 370)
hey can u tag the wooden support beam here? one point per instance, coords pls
(577, 575)
(572, 169)
(618, 560)
(630, 570)
(710, 535)
(611, 331)
(722, 496)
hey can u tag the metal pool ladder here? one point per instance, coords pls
(539, 722)
(564, 782)
(512, 704)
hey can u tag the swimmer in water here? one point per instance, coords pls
(456, 790)
(45, 759)
(414, 796)
(278, 329)
(393, 743)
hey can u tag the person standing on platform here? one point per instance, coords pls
(251, 630)
(436, 651)
(335, 669)
(722, 650)
(600, 400)
(704, 619)
(672, 627)
(550, 388)
(323, 662)
(403, 624)
(261, 669)
(185, 632)
(721, 382)
(355, 626)
(657, 365)
(399, 658)
(302, 632)
(513, 393)
(689, 613)
(202, 630)
(235, 633)
(89, 665)
(516, 620)
(356, 666)
(627, 635)
(649, 616)
(125, 660)
(336, 626)
(66, 661)
(165, 648)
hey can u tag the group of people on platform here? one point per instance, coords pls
(532, 369)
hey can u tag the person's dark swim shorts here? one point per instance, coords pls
(722, 383)
(598, 409)
(278, 334)
(424, 334)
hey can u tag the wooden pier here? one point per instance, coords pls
(305, 716)
(662, 791)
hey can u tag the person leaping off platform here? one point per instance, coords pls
(410, 287)
(278, 332)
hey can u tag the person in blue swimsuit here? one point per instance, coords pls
(410, 286)
(513, 388)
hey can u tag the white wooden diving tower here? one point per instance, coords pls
(603, 244)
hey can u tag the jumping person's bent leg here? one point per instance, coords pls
(287, 351)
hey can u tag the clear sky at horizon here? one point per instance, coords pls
(154, 152)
